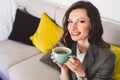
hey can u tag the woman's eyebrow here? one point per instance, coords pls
(76, 19)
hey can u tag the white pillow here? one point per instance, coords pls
(7, 14)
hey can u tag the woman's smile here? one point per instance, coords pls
(75, 33)
(79, 25)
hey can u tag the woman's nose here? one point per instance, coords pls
(74, 26)
(74, 23)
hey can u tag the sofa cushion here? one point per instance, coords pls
(11, 53)
(47, 34)
(111, 33)
(33, 69)
(47, 60)
(58, 19)
(24, 26)
(41, 6)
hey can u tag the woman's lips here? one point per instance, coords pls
(75, 33)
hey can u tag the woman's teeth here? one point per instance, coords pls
(76, 34)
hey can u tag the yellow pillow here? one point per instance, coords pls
(47, 34)
(116, 50)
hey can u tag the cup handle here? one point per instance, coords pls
(71, 56)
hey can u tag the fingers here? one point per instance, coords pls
(62, 66)
(73, 60)
(53, 59)
(52, 56)
(73, 63)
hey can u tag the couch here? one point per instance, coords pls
(19, 61)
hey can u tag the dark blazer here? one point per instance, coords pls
(98, 63)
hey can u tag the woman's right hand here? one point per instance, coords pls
(64, 69)
(62, 66)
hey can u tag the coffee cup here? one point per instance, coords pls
(62, 54)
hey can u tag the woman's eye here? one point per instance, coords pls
(82, 21)
(70, 21)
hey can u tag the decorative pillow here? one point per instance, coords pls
(116, 50)
(47, 34)
(24, 26)
(47, 60)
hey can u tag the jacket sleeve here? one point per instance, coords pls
(105, 70)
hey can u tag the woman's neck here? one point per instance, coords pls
(83, 46)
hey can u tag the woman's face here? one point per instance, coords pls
(78, 24)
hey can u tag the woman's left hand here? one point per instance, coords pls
(75, 65)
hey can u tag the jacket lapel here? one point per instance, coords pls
(88, 60)
(90, 57)
(73, 48)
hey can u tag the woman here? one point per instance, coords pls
(83, 34)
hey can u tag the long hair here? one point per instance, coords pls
(96, 31)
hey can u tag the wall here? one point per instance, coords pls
(109, 9)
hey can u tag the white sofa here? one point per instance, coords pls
(19, 61)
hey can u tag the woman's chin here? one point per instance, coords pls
(75, 39)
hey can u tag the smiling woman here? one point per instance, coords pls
(19, 61)
(83, 32)
(78, 24)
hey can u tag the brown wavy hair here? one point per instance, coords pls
(96, 32)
